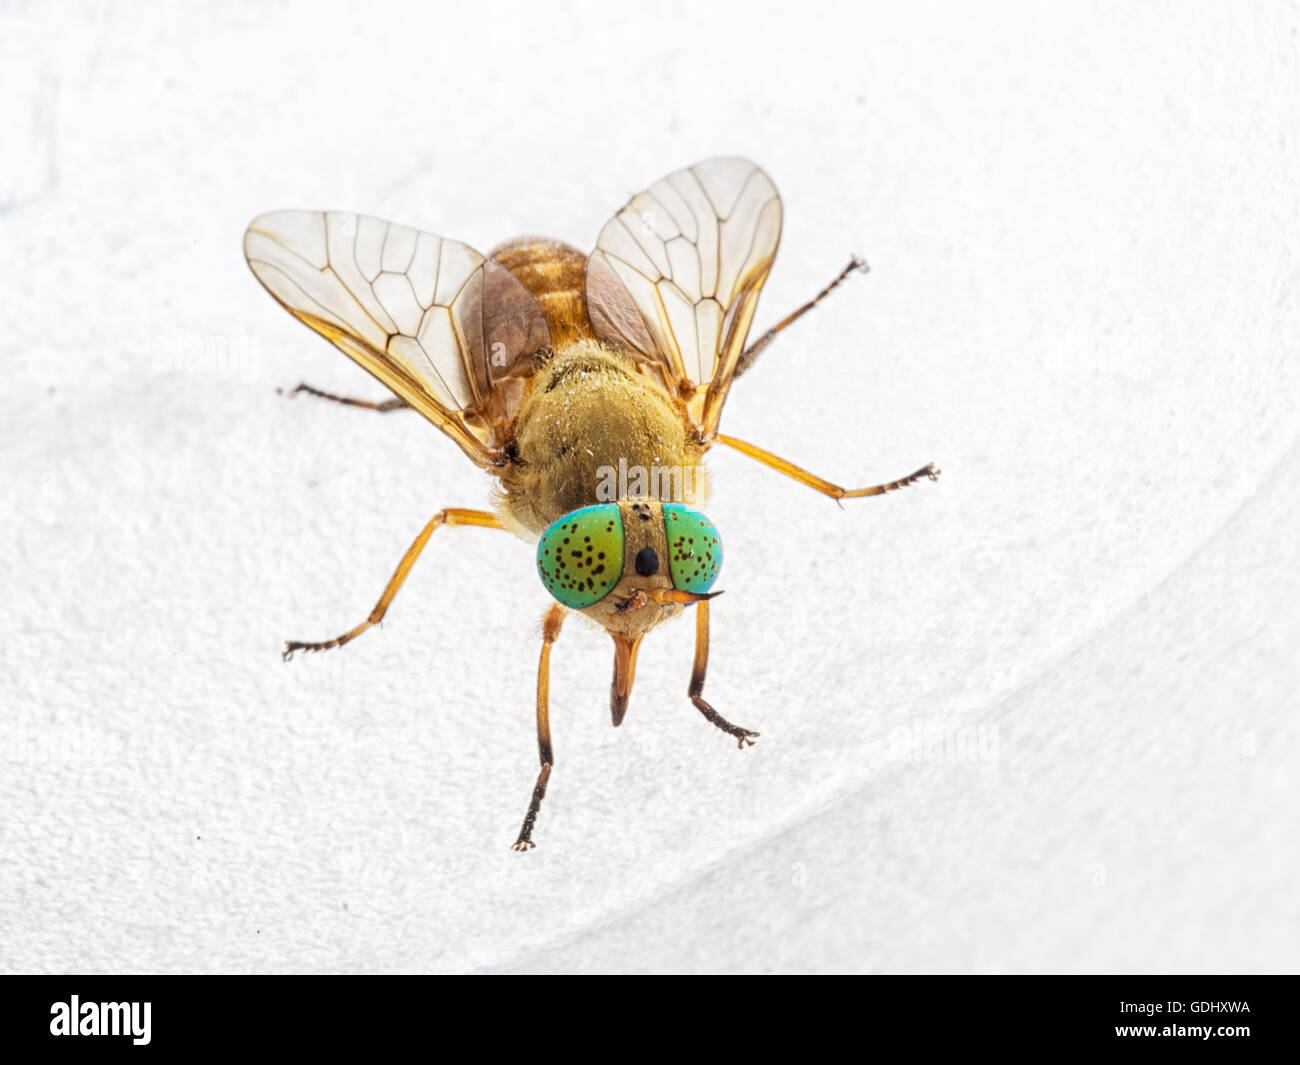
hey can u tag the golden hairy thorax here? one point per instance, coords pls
(587, 408)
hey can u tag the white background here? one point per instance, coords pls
(1081, 221)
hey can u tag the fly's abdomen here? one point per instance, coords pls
(556, 274)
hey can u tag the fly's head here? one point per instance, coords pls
(630, 565)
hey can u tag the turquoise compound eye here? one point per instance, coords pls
(580, 557)
(694, 549)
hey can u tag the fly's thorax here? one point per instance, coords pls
(626, 565)
(589, 427)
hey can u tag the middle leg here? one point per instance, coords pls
(822, 485)
(450, 516)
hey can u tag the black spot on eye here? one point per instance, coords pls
(647, 562)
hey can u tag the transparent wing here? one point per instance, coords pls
(676, 274)
(448, 331)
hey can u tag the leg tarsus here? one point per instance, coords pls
(525, 840)
(927, 470)
(292, 647)
(744, 738)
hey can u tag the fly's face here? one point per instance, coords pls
(630, 565)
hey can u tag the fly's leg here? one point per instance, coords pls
(744, 738)
(755, 349)
(383, 406)
(781, 465)
(550, 633)
(813, 481)
(451, 516)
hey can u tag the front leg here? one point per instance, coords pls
(744, 738)
(550, 633)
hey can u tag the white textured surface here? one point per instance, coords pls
(1082, 227)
